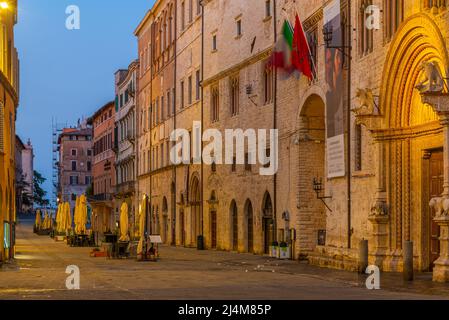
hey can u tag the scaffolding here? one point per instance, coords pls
(56, 131)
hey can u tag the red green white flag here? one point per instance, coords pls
(291, 52)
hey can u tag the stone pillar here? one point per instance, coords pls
(379, 217)
(439, 101)
(441, 269)
(379, 238)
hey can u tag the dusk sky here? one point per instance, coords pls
(65, 74)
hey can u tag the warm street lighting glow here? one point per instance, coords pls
(4, 5)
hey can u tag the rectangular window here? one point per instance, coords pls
(312, 38)
(268, 8)
(198, 7)
(168, 104)
(89, 166)
(358, 148)
(267, 154)
(239, 28)
(74, 152)
(88, 181)
(173, 104)
(89, 152)
(182, 94)
(198, 85)
(183, 16)
(162, 155)
(190, 90)
(214, 42)
(73, 180)
(73, 165)
(247, 162)
(162, 109)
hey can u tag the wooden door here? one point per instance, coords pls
(235, 230)
(250, 229)
(213, 228)
(436, 188)
(181, 225)
(268, 229)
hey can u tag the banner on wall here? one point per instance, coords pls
(335, 149)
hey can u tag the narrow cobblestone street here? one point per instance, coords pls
(39, 273)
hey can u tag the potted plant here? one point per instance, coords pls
(274, 249)
(284, 250)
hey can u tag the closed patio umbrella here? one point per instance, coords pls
(45, 223)
(82, 214)
(76, 215)
(68, 217)
(142, 222)
(38, 220)
(124, 223)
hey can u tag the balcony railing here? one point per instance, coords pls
(100, 197)
(125, 188)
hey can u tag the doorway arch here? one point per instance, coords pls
(173, 213)
(267, 222)
(195, 211)
(233, 213)
(165, 220)
(249, 219)
(311, 144)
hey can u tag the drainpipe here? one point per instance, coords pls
(202, 121)
(175, 26)
(275, 124)
(348, 123)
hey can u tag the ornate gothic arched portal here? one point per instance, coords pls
(406, 131)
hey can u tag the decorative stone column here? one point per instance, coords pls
(440, 103)
(441, 269)
(379, 214)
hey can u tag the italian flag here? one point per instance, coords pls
(292, 50)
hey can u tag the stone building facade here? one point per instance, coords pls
(125, 138)
(24, 160)
(395, 139)
(239, 212)
(75, 164)
(170, 98)
(9, 100)
(103, 169)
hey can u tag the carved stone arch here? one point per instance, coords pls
(418, 39)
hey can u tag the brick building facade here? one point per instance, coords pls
(397, 160)
(103, 169)
(75, 164)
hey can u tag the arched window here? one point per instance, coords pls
(235, 93)
(365, 34)
(393, 16)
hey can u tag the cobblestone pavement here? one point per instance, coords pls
(39, 273)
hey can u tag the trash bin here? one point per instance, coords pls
(200, 243)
